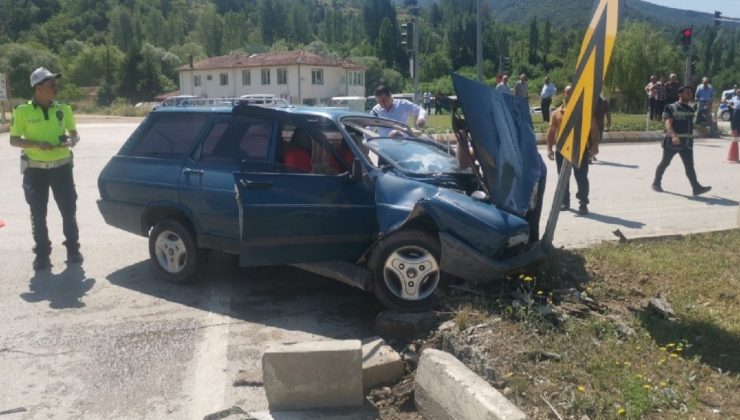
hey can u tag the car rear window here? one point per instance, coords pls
(169, 135)
(237, 140)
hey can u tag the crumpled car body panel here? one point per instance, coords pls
(505, 145)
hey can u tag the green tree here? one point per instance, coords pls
(546, 42)
(17, 61)
(534, 41)
(210, 32)
(387, 46)
(640, 51)
(123, 27)
(90, 66)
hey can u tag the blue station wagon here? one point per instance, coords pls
(343, 194)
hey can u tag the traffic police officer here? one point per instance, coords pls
(46, 130)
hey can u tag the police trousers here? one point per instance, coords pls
(36, 185)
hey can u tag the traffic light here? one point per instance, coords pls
(717, 17)
(686, 34)
(407, 35)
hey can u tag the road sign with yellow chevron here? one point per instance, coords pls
(596, 51)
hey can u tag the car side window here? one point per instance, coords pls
(317, 148)
(169, 136)
(236, 140)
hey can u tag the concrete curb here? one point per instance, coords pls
(447, 389)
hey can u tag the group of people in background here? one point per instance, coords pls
(659, 93)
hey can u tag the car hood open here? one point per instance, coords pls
(504, 142)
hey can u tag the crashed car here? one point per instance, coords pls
(347, 195)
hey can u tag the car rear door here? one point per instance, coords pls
(207, 178)
(290, 216)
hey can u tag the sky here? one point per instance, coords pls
(730, 8)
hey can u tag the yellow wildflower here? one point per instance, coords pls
(581, 388)
(663, 384)
(539, 292)
(674, 355)
(670, 345)
(528, 279)
(621, 411)
(663, 349)
(710, 389)
(661, 361)
(646, 386)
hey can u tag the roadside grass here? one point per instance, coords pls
(620, 122)
(687, 367)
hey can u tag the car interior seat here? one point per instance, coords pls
(297, 153)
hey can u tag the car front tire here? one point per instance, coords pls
(406, 270)
(174, 252)
(725, 116)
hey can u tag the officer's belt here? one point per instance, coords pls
(50, 164)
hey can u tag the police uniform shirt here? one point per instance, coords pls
(34, 123)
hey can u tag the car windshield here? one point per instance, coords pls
(414, 156)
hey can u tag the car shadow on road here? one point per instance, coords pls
(283, 297)
(615, 164)
(712, 201)
(613, 220)
(64, 290)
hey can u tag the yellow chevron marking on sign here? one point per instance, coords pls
(593, 61)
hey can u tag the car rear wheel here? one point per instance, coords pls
(174, 252)
(725, 116)
(406, 271)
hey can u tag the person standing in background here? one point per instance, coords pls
(650, 92)
(546, 94)
(503, 87)
(671, 89)
(520, 87)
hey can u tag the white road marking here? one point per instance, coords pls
(211, 358)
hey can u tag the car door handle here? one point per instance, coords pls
(255, 185)
(188, 171)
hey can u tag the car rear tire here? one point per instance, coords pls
(174, 252)
(406, 271)
(725, 116)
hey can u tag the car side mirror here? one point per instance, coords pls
(355, 171)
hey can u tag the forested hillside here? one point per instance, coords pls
(131, 48)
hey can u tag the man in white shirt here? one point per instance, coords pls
(548, 91)
(503, 87)
(397, 109)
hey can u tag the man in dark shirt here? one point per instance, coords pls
(671, 89)
(679, 127)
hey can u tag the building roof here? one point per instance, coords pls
(272, 59)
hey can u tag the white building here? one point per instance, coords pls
(299, 77)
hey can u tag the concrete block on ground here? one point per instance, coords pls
(381, 365)
(650, 135)
(447, 389)
(313, 374)
(404, 325)
(366, 412)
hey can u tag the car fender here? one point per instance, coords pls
(157, 209)
(483, 227)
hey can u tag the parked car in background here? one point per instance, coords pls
(179, 100)
(263, 99)
(343, 194)
(355, 103)
(723, 112)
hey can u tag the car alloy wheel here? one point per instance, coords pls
(411, 273)
(406, 271)
(171, 252)
(174, 251)
(725, 116)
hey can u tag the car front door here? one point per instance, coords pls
(207, 178)
(308, 211)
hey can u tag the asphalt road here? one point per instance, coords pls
(110, 340)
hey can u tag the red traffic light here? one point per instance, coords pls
(687, 32)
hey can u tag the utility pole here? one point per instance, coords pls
(417, 98)
(478, 43)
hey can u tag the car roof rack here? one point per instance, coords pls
(226, 101)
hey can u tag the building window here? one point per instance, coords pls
(317, 77)
(209, 77)
(246, 77)
(282, 76)
(265, 76)
(356, 79)
(223, 79)
(197, 80)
